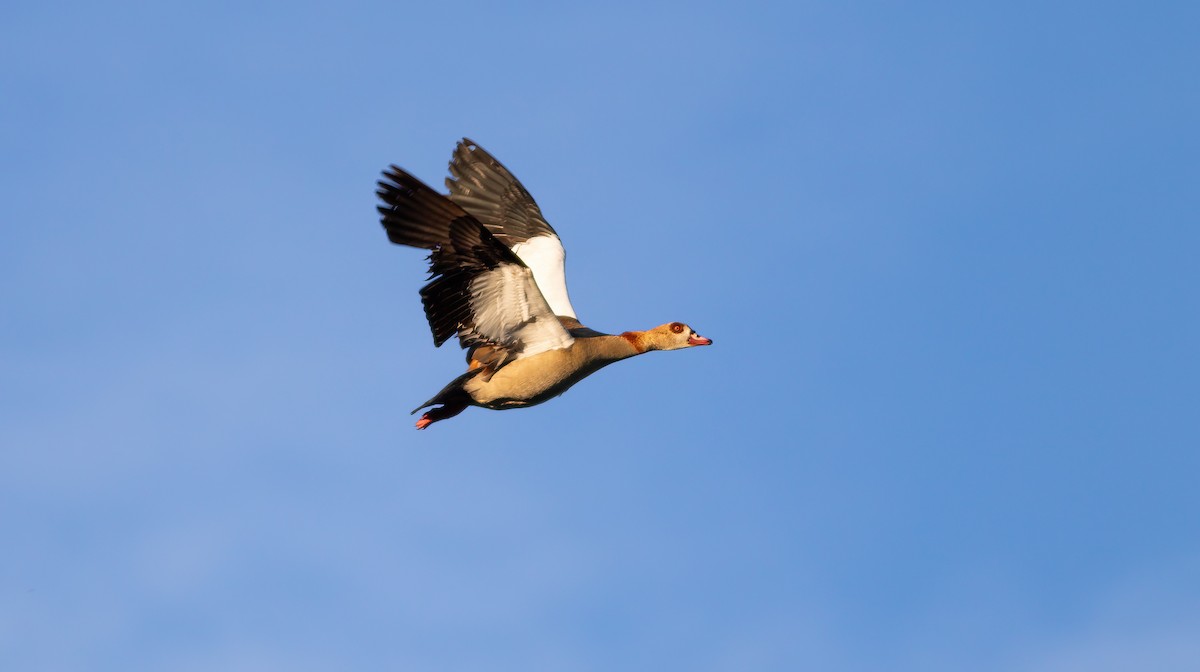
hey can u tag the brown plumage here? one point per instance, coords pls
(496, 280)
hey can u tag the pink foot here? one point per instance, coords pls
(424, 422)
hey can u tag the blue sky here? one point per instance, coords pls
(946, 251)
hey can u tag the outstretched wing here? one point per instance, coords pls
(478, 289)
(482, 186)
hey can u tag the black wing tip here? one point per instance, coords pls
(396, 177)
(412, 212)
(394, 172)
(469, 150)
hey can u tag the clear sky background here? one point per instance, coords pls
(947, 253)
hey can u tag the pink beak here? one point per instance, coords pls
(697, 339)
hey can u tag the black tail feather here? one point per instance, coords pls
(453, 393)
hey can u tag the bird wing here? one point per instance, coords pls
(482, 186)
(478, 289)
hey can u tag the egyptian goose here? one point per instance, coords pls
(497, 280)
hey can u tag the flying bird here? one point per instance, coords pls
(496, 271)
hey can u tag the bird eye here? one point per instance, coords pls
(677, 327)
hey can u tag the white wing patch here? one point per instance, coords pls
(510, 311)
(544, 255)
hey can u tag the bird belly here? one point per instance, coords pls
(531, 381)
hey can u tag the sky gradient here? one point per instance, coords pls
(947, 253)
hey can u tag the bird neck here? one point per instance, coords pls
(639, 341)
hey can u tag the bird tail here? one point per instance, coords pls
(453, 393)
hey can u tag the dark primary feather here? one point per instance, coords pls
(482, 186)
(412, 213)
(463, 249)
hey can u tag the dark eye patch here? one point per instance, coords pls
(677, 327)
